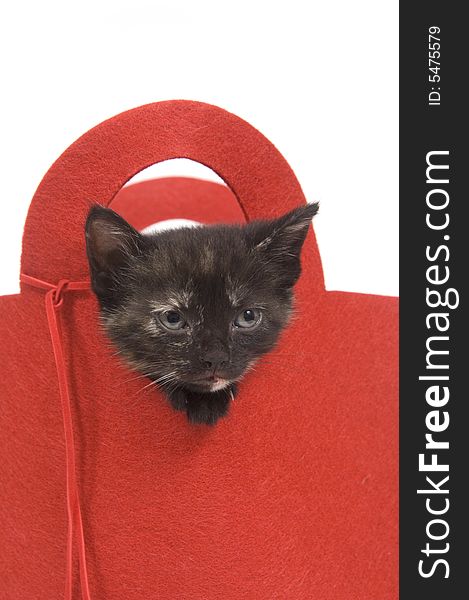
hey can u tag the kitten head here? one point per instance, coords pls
(193, 308)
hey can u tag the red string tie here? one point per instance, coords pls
(54, 300)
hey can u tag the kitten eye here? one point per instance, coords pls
(248, 318)
(171, 319)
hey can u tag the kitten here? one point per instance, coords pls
(194, 308)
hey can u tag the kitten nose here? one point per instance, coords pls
(213, 359)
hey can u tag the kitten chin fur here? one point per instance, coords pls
(194, 308)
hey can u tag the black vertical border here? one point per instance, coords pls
(424, 128)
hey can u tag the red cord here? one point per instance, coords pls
(54, 300)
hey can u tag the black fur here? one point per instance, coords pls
(207, 275)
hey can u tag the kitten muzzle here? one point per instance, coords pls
(209, 383)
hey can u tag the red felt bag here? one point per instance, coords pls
(108, 493)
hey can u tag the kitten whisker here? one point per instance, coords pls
(160, 381)
(141, 376)
(167, 376)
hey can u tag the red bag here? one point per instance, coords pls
(293, 496)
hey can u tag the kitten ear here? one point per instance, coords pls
(110, 241)
(282, 239)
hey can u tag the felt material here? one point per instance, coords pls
(294, 496)
(171, 197)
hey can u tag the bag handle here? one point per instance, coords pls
(97, 165)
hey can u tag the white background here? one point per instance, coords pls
(318, 78)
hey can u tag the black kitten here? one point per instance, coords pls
(194, 308)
